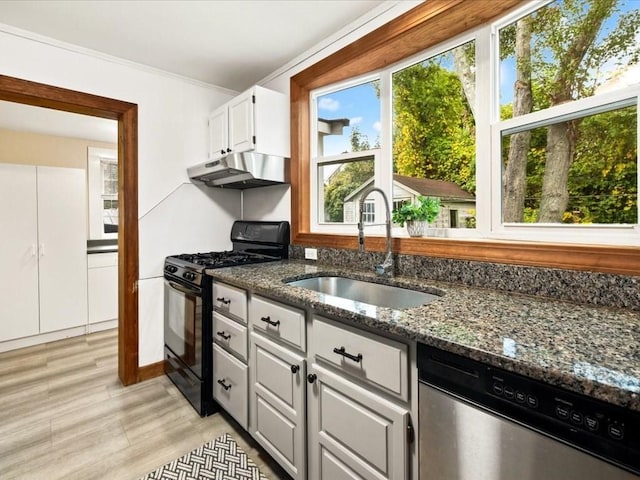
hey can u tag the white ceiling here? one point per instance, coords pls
(25, 118)
(228, 43)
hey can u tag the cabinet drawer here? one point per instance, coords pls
(230, 334)
(279, 321)
(376, 360)
(231, 301)
(230, 385)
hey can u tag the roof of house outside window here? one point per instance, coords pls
(434, 188)
(447, 191)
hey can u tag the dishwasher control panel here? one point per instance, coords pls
(601, 429)
(576, 412)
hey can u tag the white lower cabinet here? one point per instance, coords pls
(278, 384)
(354, 433)
(340, 410)
(102, 277)
(230, 383)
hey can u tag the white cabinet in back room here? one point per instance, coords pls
(102, 276)
(18, 252)
(43, 250)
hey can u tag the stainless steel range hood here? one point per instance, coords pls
(242, 170)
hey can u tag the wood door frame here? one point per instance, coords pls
(41, 95)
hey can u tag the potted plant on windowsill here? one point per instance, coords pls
(417, 215)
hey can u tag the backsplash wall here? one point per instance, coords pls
(600, 289)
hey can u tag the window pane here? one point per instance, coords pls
(349, 120)
(341, 184)
(567, 50)
(434, 134)
(581, 171)
(368, 212)
(109, 178)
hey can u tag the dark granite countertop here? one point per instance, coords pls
(586, 349)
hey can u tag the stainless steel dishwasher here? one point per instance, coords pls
(478, 422)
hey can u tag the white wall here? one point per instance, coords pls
(172, 132)
(274, 203)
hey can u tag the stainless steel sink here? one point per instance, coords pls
(366, 292)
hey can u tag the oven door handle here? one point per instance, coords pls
(183, 289)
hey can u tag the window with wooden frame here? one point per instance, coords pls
(420, 29)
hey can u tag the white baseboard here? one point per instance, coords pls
(57, 335)
(100, 326)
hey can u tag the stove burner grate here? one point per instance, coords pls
(227, 258)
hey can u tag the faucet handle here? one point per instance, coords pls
(360, 237)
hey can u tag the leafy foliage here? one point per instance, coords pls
(434, 129)
(426, 210)
(571, 44)
(347, 178)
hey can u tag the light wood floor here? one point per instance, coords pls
(65, 415)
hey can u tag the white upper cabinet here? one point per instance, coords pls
(256, 120)
(219, 132)
(242, 122)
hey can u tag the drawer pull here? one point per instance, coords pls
(311, 378)
(341, 351)
(224, 385)
(225, 301)
(226, 336)
(269, 321)
(295, 368)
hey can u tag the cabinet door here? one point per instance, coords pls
(103, 287)
(62, 235)
(218, 133)
(241, 122)
(277, 403)
(18, 252)
(354, 433)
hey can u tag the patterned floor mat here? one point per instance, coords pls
(220, 459)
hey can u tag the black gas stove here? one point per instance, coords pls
(188, 304)
(227, 258)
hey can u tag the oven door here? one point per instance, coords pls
(183, 323)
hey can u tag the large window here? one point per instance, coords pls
(526, 129)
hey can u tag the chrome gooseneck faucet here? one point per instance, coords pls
(386, 268)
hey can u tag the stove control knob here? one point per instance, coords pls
(171, 268)
(189, 275)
